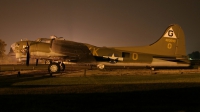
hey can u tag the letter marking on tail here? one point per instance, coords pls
(170, 33)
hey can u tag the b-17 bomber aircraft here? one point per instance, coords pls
(168, 51)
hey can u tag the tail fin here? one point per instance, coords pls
(172, 43)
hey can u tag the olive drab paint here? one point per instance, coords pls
(168, 51)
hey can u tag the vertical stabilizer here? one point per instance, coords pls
(172, 43)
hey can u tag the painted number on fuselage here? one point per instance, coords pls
(135, 56)
(169, 45)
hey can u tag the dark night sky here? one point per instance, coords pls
(99, 22)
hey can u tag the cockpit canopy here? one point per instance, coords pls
(48, 40)
(44, 40)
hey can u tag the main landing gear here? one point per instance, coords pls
(56, 67)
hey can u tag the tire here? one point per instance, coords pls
(54, 68)
(100, 66)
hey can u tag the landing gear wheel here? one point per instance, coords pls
(62, 67)
(54, 68)
(100, 66)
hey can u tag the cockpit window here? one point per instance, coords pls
(44, 40)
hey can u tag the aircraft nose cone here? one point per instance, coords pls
(14, 47)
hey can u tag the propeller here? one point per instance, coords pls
(27, 55)
(36, 63)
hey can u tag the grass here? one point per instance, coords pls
(16, 67)
(109, 79)
(156, 92)
(41, 84)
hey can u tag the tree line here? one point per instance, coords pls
(2, 49)
(194, 55)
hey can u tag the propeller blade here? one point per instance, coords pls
(27, 55)
(36, 63)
